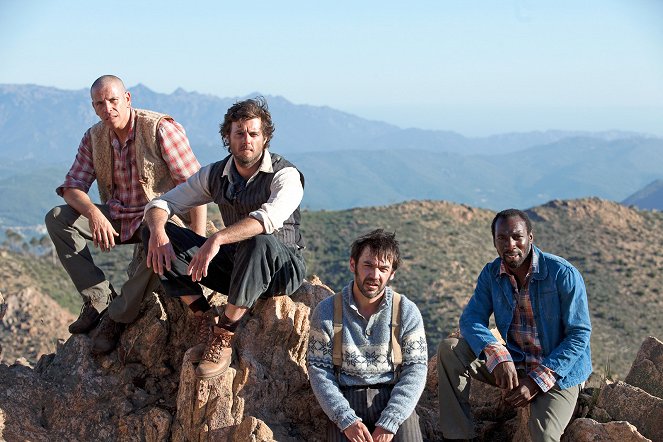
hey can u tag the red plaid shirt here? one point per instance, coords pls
(128, 200)
(522, 335)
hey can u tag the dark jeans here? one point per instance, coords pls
(368, 403)
(245, 271)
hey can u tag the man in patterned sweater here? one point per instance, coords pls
(368, 397)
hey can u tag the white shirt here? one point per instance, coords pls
(286, 193)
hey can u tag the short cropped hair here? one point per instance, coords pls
(107, 79)
(511, 213)
(383, 244)
(247, 110)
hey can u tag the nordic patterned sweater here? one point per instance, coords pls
(367, 358)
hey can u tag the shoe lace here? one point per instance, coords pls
(220, 339)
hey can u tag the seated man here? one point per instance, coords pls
(257, 254)
(540, 307)
(367, 384)
(134, 155)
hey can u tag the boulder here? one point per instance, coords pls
(647, 369)
(31, 325)
(146, 388)
(624, 402)
(588, 430)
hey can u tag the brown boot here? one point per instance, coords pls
(204, 324)
(106, 336)
(218, 352)
(87, 319)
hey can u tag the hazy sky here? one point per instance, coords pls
(475, 67)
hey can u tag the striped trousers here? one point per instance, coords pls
(368, 403)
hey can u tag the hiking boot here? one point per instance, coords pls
(107, 336)
(204, 324)
(87, 320)
(218, 352)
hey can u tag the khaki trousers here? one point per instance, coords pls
(550, 412)
(70, 232)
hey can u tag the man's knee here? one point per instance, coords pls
(445, 349)
(53, 218)
(258, 242)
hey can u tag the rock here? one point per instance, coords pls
(647, 369)
(147, 390)
(30, 323)
(624, 402)
(253, 430)
(3, 310)
(588, 430)
(267, 379)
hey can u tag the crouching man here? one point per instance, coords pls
(540, 307)
(367, 354)
(257, 253)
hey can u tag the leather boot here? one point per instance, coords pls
(217, 356)
(106, 336)
(204, 325)
(87, 319)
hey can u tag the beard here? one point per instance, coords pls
(370, 288)
(516, 260)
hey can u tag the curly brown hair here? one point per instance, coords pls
(247, 110)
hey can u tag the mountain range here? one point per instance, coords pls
(348, 161)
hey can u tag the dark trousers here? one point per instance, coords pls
(368, 403)
(245, 271)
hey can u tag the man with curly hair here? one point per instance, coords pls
(258, 251)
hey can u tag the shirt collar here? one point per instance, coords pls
(132, 132)
(265, 166)
(351, 299)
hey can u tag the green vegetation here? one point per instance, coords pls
(618, 250)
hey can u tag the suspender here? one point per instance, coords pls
(337, 344)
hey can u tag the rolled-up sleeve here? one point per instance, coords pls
(286, 193)
(81, 175)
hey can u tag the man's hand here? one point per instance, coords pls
(522, 394)
(160, 252)
(358, 432)
(103, 233)
(506, 376)
(200, 262)
(382, 435)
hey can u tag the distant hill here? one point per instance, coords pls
(445, 246)
(348, 161)
(650, 197)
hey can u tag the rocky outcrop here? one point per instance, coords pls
(588, 430)
(647, 369)
(146, 389)
(32, 324)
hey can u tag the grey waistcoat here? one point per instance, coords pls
(235, 206)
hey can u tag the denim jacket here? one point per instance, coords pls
(559, 302)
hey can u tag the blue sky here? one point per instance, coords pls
(475, 67)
